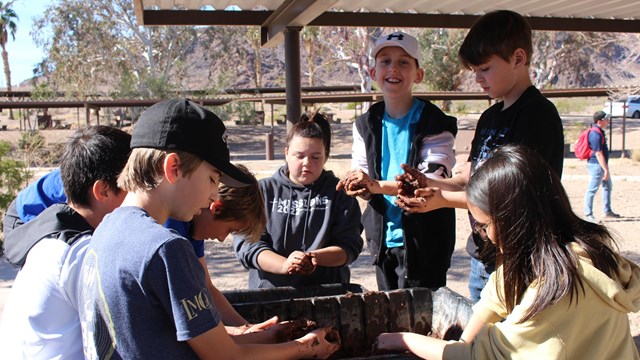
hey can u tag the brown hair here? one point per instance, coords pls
(143, 171)
(313, 126)
(498, 33)
(244, 204)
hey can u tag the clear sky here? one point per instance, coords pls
(23, 53)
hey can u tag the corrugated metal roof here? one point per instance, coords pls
(596, 9)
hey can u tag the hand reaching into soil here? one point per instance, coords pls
(294, 329)
(388, 343)
(321, 343)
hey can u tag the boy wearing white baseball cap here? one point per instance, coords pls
(408, 249)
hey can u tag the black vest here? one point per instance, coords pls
(57, 221)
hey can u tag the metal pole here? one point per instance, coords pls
(268, 146)
(611, 124)
(624, 126)
(292, 75)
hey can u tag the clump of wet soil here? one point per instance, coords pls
(295, 329)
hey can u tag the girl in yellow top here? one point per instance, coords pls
(560, 291)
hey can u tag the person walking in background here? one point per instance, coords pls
(408, 250)
(561, 290)
(498, 50)
(598, 168)
(313, 231)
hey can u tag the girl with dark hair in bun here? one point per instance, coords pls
(313, 231)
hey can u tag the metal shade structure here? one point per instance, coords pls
(282, 20)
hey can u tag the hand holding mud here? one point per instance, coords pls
(320, 343)
(300, 263)
(414, 195)
(356, 183)
(410, 181)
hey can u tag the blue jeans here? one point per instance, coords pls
(478, 278)
(596, 173)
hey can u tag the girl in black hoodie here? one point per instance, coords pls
(313, 231)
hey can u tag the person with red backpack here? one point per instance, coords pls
(598, 168)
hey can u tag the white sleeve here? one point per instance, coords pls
(70, 269)
(437, 149)
(358, 152)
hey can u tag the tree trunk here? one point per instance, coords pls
(7, 74)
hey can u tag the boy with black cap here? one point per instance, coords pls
(598, 168)
(407, 250)
(143, 291)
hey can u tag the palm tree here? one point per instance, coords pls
(7, 27)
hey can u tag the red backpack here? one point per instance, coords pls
(581, 148)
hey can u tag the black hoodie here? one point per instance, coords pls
(303, 218)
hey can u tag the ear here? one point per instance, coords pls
(215, 207)
(419, 76)
(101, 191)
(171, 167)
(286, 151)
(519, 57)
(372, 72)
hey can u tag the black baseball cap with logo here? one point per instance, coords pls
(183, 125)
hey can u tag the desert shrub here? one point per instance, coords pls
(635, 155)
(31, 140)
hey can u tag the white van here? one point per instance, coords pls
(632, 107)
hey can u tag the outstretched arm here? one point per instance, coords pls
(425, 194)
(420, 345)
(228, 314)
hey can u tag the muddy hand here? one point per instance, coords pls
(265, 325)
(321, 343)
(420, 203)
(412, 176)
(355, 183)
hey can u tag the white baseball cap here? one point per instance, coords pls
(399, 39)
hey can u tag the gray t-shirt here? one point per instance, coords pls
(143, 291)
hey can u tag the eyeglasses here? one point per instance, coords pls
(481, 229)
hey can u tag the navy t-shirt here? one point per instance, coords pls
(143, 291)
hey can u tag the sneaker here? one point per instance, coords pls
(612, 215)
(590, 218)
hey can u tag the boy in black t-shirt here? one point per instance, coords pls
(498, 50)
